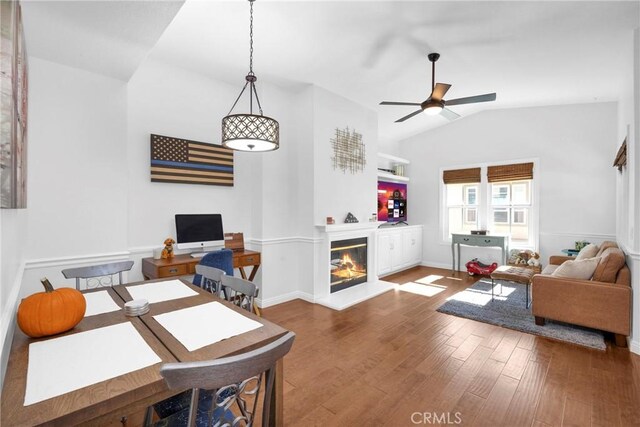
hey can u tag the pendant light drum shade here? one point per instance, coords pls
(250, 132)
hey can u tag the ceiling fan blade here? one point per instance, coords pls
(472, 99)
(439, 91)
(398, 103)
(449, 115)
(408, 116)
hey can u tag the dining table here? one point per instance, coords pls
(122, 400)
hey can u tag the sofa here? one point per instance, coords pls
(603, 302)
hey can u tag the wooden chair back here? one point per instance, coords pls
(211, 278)
(232, 379)
(96, 276)
(238, 291)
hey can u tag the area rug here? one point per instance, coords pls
(509, 310)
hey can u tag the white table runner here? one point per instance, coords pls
(199, 326)
(161, 291)
(60, 365)
(99, 302)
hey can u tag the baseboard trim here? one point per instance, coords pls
(435, 265)
(285, 298)
(634, 347)
(9, 320)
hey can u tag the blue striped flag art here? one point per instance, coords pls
(190, 162)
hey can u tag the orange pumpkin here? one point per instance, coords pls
(51, 312)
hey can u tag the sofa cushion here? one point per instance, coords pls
(606, 245)
(577, 269)
(588, 251)
(611, 261)
(549, 269)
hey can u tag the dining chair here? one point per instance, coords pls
(210, 278)
(221, 259)
(96, 276)
(238, 291)
(225, 391)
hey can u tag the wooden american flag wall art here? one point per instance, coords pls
(190, 162)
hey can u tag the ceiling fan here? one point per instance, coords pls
(435, 104)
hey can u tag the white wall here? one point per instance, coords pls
(13, 232)
(627, 181)
(336, 192)
(574, 151)
(78, 179)
(171, 101)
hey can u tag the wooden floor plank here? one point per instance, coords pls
(381, 361)
(576, 414)
(496, 405)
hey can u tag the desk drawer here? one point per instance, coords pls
(251, 259)
(172, 270)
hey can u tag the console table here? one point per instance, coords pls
(501, 242)
(181, 265)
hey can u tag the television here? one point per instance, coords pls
(392, 202)
(199, 231)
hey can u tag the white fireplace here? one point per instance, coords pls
(332, 266)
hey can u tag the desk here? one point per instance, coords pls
(112, 402)
(501, 242)
(182, 265)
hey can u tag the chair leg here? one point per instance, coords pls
(621, 340)
(539, 321)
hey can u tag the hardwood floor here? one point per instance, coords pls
(395, 361)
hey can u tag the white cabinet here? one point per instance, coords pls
(412, 246)
(399, 248)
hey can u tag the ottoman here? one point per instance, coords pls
(509, 273)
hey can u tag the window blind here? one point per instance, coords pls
(461, 176)
(510, 172)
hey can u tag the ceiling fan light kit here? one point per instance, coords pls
(250, 132)
(435, 103)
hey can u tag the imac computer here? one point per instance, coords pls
(199, 231)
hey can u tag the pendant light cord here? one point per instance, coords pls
(251, 38)
(251, 77)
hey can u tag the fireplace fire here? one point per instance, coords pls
(348, 263)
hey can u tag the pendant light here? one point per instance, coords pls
(250, 132)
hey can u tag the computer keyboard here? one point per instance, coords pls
(198, 254)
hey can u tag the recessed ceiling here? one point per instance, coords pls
(530, 53)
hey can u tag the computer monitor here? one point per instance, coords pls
(199, 231)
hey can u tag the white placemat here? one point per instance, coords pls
(199, 326)
(161, 291)
(60, 365)
(99, 302)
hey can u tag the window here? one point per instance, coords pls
(510, 204)
(496, 198)
(519, 216)
(500, 216)
(462, 209)
(471, 215)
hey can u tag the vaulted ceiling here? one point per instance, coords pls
(530, 53)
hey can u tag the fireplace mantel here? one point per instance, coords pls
(347, 297)
(340, 228)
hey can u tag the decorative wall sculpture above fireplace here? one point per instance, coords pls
(348, 263)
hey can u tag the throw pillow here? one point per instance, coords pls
(577, 269)
(606, 245)
(611, 261)
(588, 251)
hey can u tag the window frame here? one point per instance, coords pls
(484, 203)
